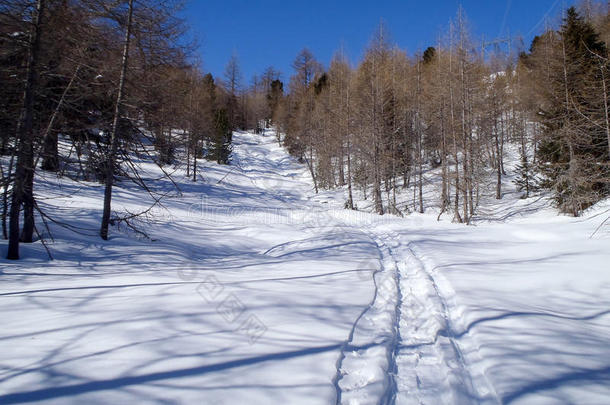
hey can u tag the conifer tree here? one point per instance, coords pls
(525, 180)
(574, 147)
(219, 146)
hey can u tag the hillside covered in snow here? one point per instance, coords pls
(252, 289)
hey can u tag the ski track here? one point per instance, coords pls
(389, 396)
(401, 349)
(431, 367)
(348, 344)
(466, 385)
(428, 357)
(423, 362)
(366, 364)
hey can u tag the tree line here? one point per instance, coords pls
(89, 87)
(383, 124)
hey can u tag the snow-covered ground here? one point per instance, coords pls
(257, 291)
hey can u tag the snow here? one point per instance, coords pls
(529, 305)
(255, 290)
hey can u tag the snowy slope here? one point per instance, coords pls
(257, 291)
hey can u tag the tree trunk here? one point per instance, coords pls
(498, 154)
(444, 154)
(115, 124)
(456, 200)
(5, 195)
(24, 173)
(377, 182)
(606, 113)
(418, 127)
(350, 198)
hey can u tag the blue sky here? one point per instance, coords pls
(271, 32)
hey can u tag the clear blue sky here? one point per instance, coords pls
(272, 32)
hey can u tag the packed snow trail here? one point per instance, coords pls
(256, 290)
(431, 364)
(367, 362)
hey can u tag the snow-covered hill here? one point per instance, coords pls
(257, 291)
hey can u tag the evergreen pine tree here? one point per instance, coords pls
(525, 180)
(274, 96)
(219, 146)
(573, 149)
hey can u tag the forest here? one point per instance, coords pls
(90, 86)
(320, 214)
(379, 125)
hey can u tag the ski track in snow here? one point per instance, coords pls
(355, 381)
(463, 385)
(424, 363)
(431, 366)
